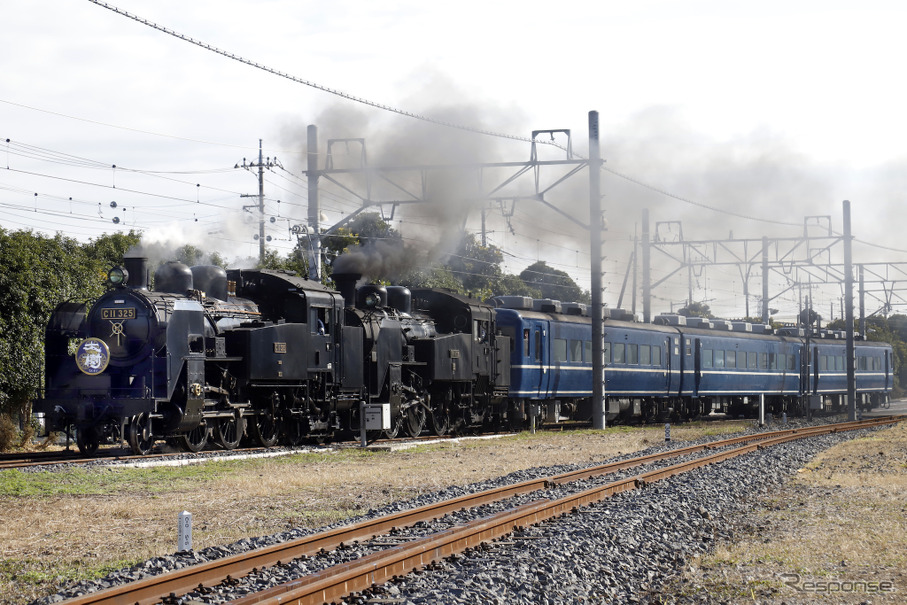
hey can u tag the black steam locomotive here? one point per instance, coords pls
(219, 355)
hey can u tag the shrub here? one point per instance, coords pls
(9, 433)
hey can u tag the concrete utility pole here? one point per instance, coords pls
(848, 318)
(595, 238)
(314, 213)
(261, 165)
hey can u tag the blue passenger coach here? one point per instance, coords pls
(677, 366)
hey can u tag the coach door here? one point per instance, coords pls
(697, 365)
(539, 359)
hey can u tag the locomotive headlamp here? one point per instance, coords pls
(372, 300)
(118, 276)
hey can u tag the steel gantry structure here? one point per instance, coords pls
(390, 187)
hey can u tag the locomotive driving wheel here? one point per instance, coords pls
(414, 420)
(440, 416)
(228, 431)
(396, 422)
(194, 440)
(139, 434)
(294, 431)
(264, 428)
(87, 440)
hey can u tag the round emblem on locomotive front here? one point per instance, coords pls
(92, 356)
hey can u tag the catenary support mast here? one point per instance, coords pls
(595, 233)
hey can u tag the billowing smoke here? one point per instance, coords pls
(379, 260)
(448, 196)
(756, 184)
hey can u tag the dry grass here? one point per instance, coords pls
(842, 520)
(60, 527)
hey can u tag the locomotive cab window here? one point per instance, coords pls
(320, 323)
(480, 330)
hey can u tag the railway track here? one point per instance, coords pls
(391, 558)
(117, 454)
(19, 460)
(36, 459)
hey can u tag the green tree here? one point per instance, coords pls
(696, 309)
(553, 283)
(477, 267)
(39, 273)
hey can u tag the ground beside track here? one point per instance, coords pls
(80, 523)
(836, 533)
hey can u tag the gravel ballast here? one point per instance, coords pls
(622, 549)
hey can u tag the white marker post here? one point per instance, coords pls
(667, 432)
(184, 532)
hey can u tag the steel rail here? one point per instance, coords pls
(153, 589)
(341, 580)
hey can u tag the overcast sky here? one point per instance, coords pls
(719, 117)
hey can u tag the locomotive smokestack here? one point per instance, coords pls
(346, 283)
(137, 266)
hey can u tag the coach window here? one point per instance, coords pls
(772, 361)
(526, 343)
(560, 349)
(751, 358)
(730, 359)
(656, 355)
(633, 354)
(576, 350)
(606, 352)
(538, 345)
(719, 359)
(645, 355)
(619, 352)
(587, 351)
(863, 364)
(707, 355)
(689, 346)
